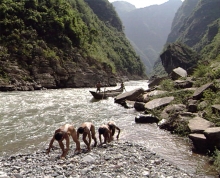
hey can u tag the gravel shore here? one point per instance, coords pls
(114, 160)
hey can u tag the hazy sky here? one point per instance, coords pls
(142, 3)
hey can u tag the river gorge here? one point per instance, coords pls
(29, 119)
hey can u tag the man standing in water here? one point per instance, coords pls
(106, 132)
(63, 133)
(112, 126)
(85, 129)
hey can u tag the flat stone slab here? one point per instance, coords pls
(199, 91)
(156, 92)
(199, 125)
(216, 108)
(197, 136)
(212, 131)
(146, 96)
(158, 102)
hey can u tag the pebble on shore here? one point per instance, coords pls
(116, 159)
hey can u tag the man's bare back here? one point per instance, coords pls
(106, 132)
(63, 133)
(87, 129)
(112, 127)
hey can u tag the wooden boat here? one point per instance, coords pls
(107, 93)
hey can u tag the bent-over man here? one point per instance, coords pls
(106, 132)
(63, 133)
(112, 127)
(87, 129)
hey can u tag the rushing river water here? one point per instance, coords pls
(29, 119)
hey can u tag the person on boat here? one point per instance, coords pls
(64, 132)
(106, 132)
(112, 126)
(87, 129)
(122, 85)
(98, 86)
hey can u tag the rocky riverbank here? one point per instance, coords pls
(117, 159)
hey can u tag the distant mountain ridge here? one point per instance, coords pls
(147, 28)
(122, 7)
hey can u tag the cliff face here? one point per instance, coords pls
(58, 44)
(196, 25)
(147, 28)
(178, 55)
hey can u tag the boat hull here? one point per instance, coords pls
(106, 94)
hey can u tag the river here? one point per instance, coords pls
(29, 119)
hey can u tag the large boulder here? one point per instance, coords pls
(128, 104)
(199, 125)
(159, 102)
(183, 83)
(146, 119)
(192, 105)
(213, 138)
(131, 95)
(139, 106)
(148, 94)
(171, 109)
(199, 142)
(178, 73)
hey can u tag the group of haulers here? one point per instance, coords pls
(86, 129)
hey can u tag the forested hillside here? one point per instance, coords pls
(62, 43)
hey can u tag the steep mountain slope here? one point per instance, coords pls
(195, 27)
(62, 43)
(182, 14)
(106, 13)
(198, 30)
(147, 28)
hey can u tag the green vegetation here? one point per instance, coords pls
(106, 13)
(61, 29)
(211, 98)
(216, 158)
(167, 85)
